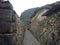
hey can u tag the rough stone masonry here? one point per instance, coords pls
(11, 27)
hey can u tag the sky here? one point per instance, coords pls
(21, 5)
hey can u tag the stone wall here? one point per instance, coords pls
(11, 27)
(44, 27)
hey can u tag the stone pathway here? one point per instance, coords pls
(29, 39)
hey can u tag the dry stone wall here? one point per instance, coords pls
(11, 27)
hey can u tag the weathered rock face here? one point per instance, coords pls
(46, 28)
(45, 25)
(20, 31)
(27, 14)
(11, 27)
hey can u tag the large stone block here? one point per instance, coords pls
(6, 27)
(7, 39)
(6, 15)
(6, 5)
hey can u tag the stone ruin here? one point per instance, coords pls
(43, 23)
(11, 27)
